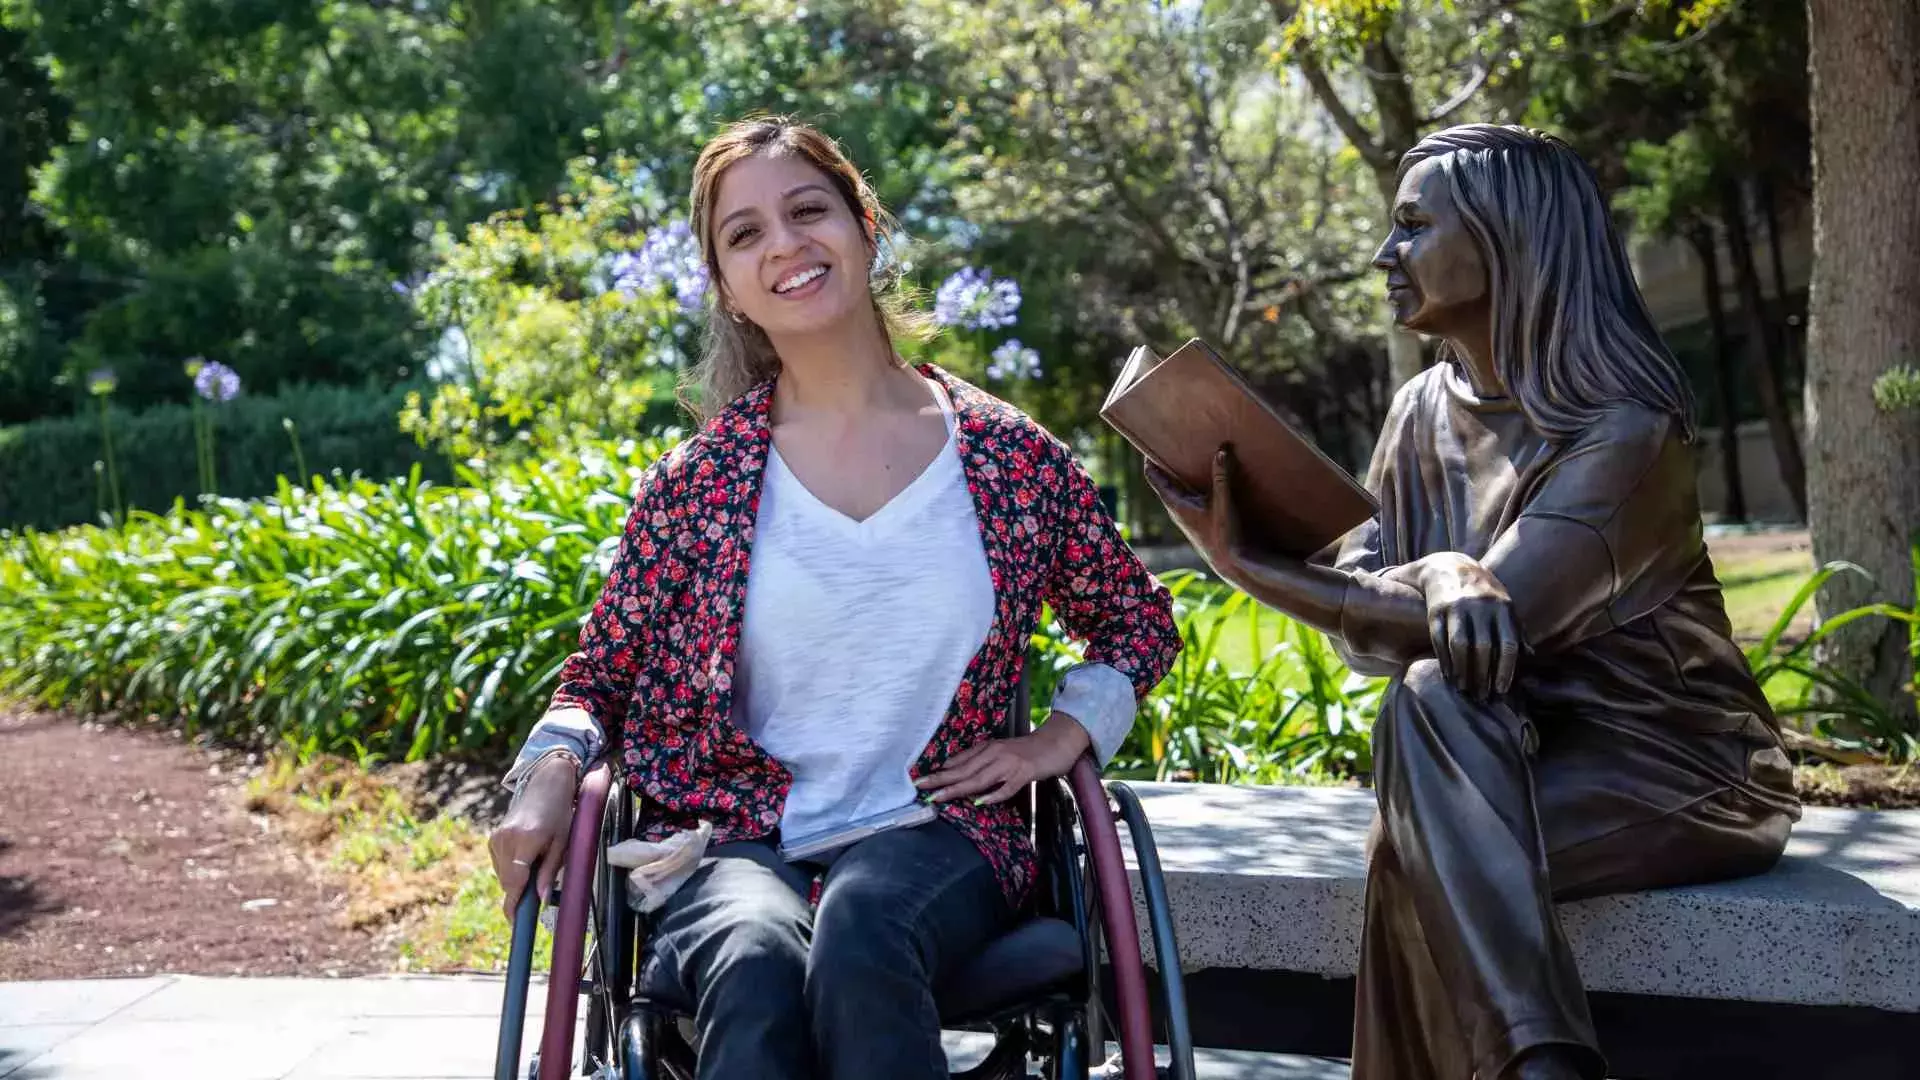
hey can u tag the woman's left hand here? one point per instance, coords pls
(998, 769)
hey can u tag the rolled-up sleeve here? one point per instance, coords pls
(570, 729)
(1102, 701)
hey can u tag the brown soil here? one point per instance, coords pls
(128, 852)
(1863, 787)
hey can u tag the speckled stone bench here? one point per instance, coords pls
(1269, 881)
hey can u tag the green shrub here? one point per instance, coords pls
(47, 477)
(1898, 388)
(562, 325)
(389, 620)
(1295, 714)
(1824, 702)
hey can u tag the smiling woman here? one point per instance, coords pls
(810, 637)
(772, 197)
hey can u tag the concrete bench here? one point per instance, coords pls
(1810, 970)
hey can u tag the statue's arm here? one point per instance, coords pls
(1378, 622)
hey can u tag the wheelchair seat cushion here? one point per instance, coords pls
(1035, 958)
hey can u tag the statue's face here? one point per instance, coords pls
(1436, 279)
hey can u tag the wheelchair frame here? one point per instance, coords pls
(1082, 879)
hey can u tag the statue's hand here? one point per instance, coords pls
(1210, 520)
(1476, 638)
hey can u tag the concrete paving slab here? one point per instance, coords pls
(292, 1029)
(232, 1049)
(266, 1000)
(22, 1043)
(79, 1001)
(415, 1048)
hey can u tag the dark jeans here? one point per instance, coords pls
(783, 990)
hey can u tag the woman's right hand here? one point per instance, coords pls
(1476, 638)
(535, 830)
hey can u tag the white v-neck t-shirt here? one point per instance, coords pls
(856, 634)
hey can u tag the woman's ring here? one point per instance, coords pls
(521, 862)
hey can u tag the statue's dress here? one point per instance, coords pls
(1633, 751)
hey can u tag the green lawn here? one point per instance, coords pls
(1758, 588)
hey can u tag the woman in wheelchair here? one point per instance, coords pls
(815, 619)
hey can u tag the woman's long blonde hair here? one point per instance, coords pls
(738, 356)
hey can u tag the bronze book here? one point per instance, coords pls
(1293, 499)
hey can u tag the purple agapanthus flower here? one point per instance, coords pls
(216, 382)
(102, 381)
(975, 300)
(1013, 360)
(670, 256)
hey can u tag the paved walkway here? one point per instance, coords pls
(401, 1027)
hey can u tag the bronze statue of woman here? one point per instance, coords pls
(1567, 715)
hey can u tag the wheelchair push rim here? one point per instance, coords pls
(569, 941)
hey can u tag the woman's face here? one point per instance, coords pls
(1436, 279)
(792, 256)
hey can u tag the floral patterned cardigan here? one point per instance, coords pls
(656, 657)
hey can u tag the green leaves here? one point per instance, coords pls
(548, 341)
(246, 180)
(1283, 709)
(1830, 705)
(394, 620)
(1898, 388)
(46, 467)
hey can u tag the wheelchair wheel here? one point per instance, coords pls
(608, 980)
(576, 900)
(1110, 900)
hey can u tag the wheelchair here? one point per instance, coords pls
(1050, 992)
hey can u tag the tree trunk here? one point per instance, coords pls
(1701, 237)
(1864, 489)
(1764, 360)
(1770, 207)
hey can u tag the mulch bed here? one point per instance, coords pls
(127, 852)
(1861, 787)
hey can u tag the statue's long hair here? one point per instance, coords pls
(1571, 332)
